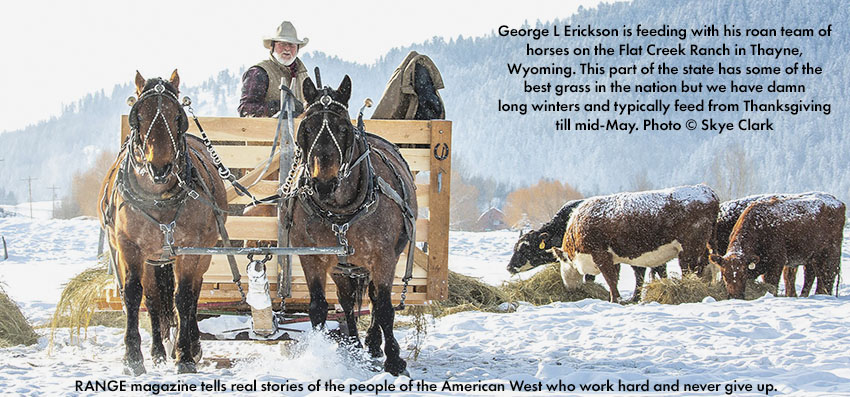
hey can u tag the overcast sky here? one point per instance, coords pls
(55, 52)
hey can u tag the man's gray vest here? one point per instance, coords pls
(277, 71)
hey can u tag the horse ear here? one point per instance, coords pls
(175, 79)
(309, 90)
(140, 83)
(344, 91)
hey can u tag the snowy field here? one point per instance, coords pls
(794, 346)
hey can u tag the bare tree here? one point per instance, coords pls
(731, 174)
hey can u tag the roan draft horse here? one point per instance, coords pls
(161, 193)
(357, 191)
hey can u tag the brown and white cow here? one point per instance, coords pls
(791, 231)
(645, 229)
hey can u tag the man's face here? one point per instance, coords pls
(286, 52)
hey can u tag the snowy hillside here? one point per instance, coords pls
(806, 152)
(797, 346)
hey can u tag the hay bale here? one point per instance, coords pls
(690, 288)
(14, 327)
(546, 287)
(76, 306)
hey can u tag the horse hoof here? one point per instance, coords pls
(187, 368)
(134, 368)
(396, 367)
(197, 355)
(158, 360)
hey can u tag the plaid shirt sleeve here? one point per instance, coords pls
(252, 103)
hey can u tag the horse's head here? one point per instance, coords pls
(326, 135)
(157, 128)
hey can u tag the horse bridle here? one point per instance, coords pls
(346, 161)
(159, 91)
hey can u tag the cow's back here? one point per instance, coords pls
(631, 224)
(801, 225)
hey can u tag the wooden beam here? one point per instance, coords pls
(263, 129)
(265, 228)
(438, 232)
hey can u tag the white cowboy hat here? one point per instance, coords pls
(286, 33)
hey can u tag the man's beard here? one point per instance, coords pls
(282, 61)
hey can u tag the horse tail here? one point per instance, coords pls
(164, 276)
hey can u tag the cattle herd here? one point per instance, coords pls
(764, 235)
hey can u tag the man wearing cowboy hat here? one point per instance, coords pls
(261, 83)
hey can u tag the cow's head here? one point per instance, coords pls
(533, 249)
(735, 267)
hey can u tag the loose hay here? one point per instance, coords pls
(693, 289)
(76, 306)
(546, 287)
(14, 327)
(470, 290)
(688, 289)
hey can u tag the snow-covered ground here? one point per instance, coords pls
(797, 346)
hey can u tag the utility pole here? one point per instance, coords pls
(29, 186)
(53, 202)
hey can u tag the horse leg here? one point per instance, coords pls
(316, 276)
(349, 291)
(159, 304)
(639, 275)
(128, 253)
(189, 273)
(374, 334)
(789, 275)
(384, 314)
(194, 332)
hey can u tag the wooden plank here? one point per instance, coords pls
(236, 128)
(263, 129)
(267, 188)
(413, 298)
(257, 156)
(438, 233)
(265, 228)
(417, 159)
(245, 156)
(219, 271)
(252, 176)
